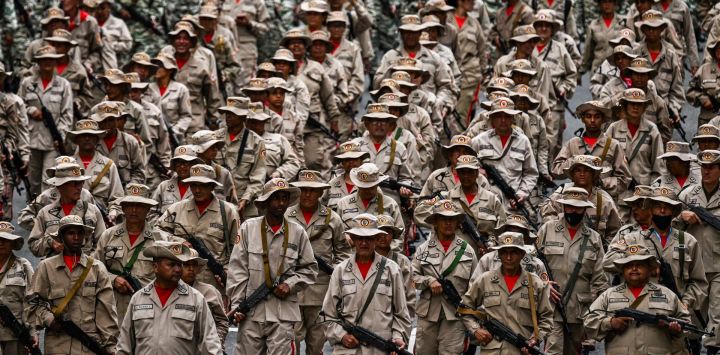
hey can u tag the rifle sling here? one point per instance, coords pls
(60, 308)
(243, 142)
(606, 149)
(533, 306)
(320, 231)
(96, 182)
(129, 265)
(637, 301)
(393, 147)
(576, 271)
(458, 255)
(266, 257)
(371, 294)
(636, 150)
(381, 207)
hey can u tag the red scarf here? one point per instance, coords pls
(446, 244)
(590, 141)
(71, 261)
(67, 208)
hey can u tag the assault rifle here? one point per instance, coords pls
(559, 306)
(704, 215)
(75, 332)
(313, 122)
(20, 331)
(132, 280)
(215, 267)
(154, 160)
(450, 293)
(507, 190)
(501, 332)
(677, 124)
(641, 317)
(468, 226)
(323, 265)
(395, 185)
(260, 294)
(13, 163)
(49, 122)
(366, 337)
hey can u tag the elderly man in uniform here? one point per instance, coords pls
(517, 224)
(637, 264)
(120, 246)
(75, 287)
(366, 281)
(69, 180)
(443, 257)
(168, 316)
(269, 327)
(576, 266)
(205, 217)
(447, 178)
(517, 298)
(325, 232)
(705, 194)
(122, 148)
(595, 142)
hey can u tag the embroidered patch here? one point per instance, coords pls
(186, 307)
(216, 225)
(293, 246)
(619, 300)
(347, 282)
(91, 284)
(142, 306)
(491, 294)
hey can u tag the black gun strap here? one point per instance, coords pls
(506, 150)
(576, 271)
(243, 142)
(371, 294)
(641, 141)
(226, 234)
(681, 251)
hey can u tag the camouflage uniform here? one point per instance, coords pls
(144, 39)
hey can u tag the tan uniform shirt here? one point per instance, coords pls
(175, 105)
(471, 52)
(656, 111)
(292, 129)
(166, 194)
(26, 217)
(597, 48)
(257, 13)
(248, 170)
(669, 180)
(202, 85)
(562, 68)
(351, 205)
(223, 46)
(683, 21)
(338, 189)
(402, 166)
(214, 299)
(46, 223)
(694, 195)
(14, 124)
(299, 98)
(517, 166)
(186, 316)
(704, 86)
(92, 308)
(128, 155)
(669, 79)
(529, 263)
(350, 56)
(444, 180)
(280, 157)
(109, 187)
(522, 14)
(13, 291)
(644, 165)
(323, 101)
(87, 34)
(296, 265)
(604, 220)
(57, 97)
(542, 83)
(116, 35)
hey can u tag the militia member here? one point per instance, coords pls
(681, 168)
(75, 287)
(13, 116)
(71, 69)
(174, 97)
(115, 33)
(576, 264)
(204, 216)
(447, 178)
(221, 42)
(269, 327)
(122, 148)
(85, 30)
(384, 245)
(508, 18)
(598, 35)
(703, 90)
(351, 287)
(292, 127)
(174, 189)
(444, 257)
(118, 89)
(207, 145)
(708, 137)
(120, 247)
(622, 334)
(325, 232)
(530, 263)
(640, 213)
(350, 156)
(349, 54)
(167, 315)
(251, 22)
(280, 158)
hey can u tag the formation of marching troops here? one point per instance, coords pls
(195, 166)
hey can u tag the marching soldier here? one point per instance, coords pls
(640, 213)
(385, 245)
(320, 51)
(447, 178)
(205, 217)
(252, 22)
(120, 247)
(287, 67)
(678, 13)
(69, 180)
(366, 281)
(614, 64)
(433, 32)
(72, 286)
(118, 89)
(74, 72)
(708, 137)
(325, 232)
(122, 148)
(207, 145)
(515, 13)
(350, 156)
(517, 224)
(85, 30)
(17, 274)
(292, 126)
(619, 333)
(444, 257)
(576, 263)
(598, 35)
(349, 54)
(269, 327)
(221, 42)
(703, 90)
(13, 117)
(174, 189)
(681, 169)
(174, 97)
(168, 315)
(115, 33)
(517, 298)
(280, 158)
(705, 194)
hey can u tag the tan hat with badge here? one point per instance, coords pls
(54, 13)
(634, 95)
(314, 6)
(624, 34)
(337, 16)
(204, 139)
(323, 37)
(459, 141)
(640, 194)
(278, 83)
(515, 220)
(652, 18)
(294, 34)
(350, 150)
(183, 26)
(166, 61)
(310, 179)
(467, 162)
(7, 232)
(709, 157)
(135, 82)
(86, 127)
(367, 176)
(70, 221)
(392, 100)
(67, 174)
(185, 153)
(621, 49)
(503, 105)
(105, 110)
(141, 58)
(500, 83)
(267, 67)
(137, 193)
(378, 111)
(522, 34)
(168, 250)
(255, 85)
(236, 105)
(277, 185)
(521, 66)
(640, 66)
(62, 162)
(680, 150)
(411, 23)
(707, 131)
(284, 55)
(510, 240)
(403, 78)
(386, 222)
(61, 35)
(592, 106)
(46, 52)
(635, 252)
(665, 195)
(256, 111)
(444, 208)
(590, 161)
(203, 174)
(364, 225)
(576, 197)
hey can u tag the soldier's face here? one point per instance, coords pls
(74, 238)
(383, 241)
(208, 23)
(136, 95)
(521, 78)
(622, 61)
(256, 96)
(210, 153)
(544, 30)
(168, 270)
(467, 177)
(86, 142)
(582, 175)
(703, 144)
(639, 80)
(636, 273)
(276, 97)
(309, 198)
(55, 25)
(607, 7)
(367, 193)
(202, 192)
(441, 15)
(314, 19)
(652, 34)
(456, 152)
(234, 121)
(60, 47)
(349, 164)
(142, 70)
(397, 111)
(182, 168)
(364, 246)
(161, 73)
(643, 5)
(109, 125)
(416, 78)
(635, 109)
(410, 38)
(710, 173)
(256, 126)
(468, 5)
(716, 52)
(135, 213)
(6, 247)
(502, 123)
(445, 226)
(278, 203)
(190, 269)
(641, 214)
(336, 29)
(102, 12)
(297, 47)
(592, 120)
(115, 91)
(433, 33)
(318, 50)
(71, 190)
(283, 67)
(510, 258)
(46, 65)
(526, 47)
(676, 166)
(69, 5)
(378, 128)
(661, 209)
(182, 43)
(522, 104)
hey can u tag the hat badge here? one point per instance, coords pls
(182, 150)
(574, 195)
(364, 222)
(281, 184)
(196, 171)
(76, 172)
(507, 240)
(664, 191)
(707, 156)
(176, 249)
(517, 218)
(503, 104)
(309, 176)
(135, 190)
(65, 160)
(672, 147)
(348, 147)
(625, 32)
(364, 177)
(633, 249)
(447, 206)
(461, 139)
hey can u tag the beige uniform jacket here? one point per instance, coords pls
(227, 191)
(431, 259)
(46, 223)
(669, 180)
(166, 194)
(115, 251)
(129, 157)
(448, 57)
(669, 79)
(296, 265)
(637, 338)
(601, 76)
(683, 21)
(562, 68)
(116, 35)
(694, 195)
(418, 121)
(339, 81)
(57, 97)
(402, 166)
(511, 308)
(202, 85)
(387, 314)
(350, 56)
(704, 86)
(175, 105)
(644, 165)
(292, 129)
(14, 288)
(26, 217)
(529, 263)
(522, 14)
(87, 34)
(542, 83)
(323, 100)
(214, 299)
(92, 308)
(108, 187)
(692, 283)
(207, 227)
(351, 205)
(444, 180)
(14, 124)
(137, 123)
(338, 189)
(184, 326)
(325, 232)
(471, 52)
(257, 13)
(657, 111)
(223, 46)
(562, 254)
(280, 157)
(406, 270)
(604, 220)
(517, 166)
(248, 169)
(614, 182)
(299, 98)
(597, 48)
(427, 101)
(83, 98)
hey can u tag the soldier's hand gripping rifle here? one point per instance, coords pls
(704, 215)
(501, 331)
(494, 176)
(49, 122)
(260, 294)
(21, 332)
(659, 320)
(395, 185)
(365, 336)
(13, 163)
(450, 293)
(215, 267)
(677, 121)
(468, 226)
(312, 122)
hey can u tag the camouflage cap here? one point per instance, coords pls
(468, 162)
(679, 150)
(392, 100)
(634, 95)
(185, 153)
(492, 96)
(86, 127)
(114, 76)
(134, 80)
(203, 174)
(174, 251)
(641, 66)
(137, 193)
(166, 61)
(278, 83)
(576, 196)
(515, 220)
(61, 35)
(546, 16)
(183, 26)
(267, 67)
(256, 85)
(500, 83)
(350, 150)
(364, 225)
(624, 34)
(204, 139)
(707, 131)
(54, 13)
(367, 176)
(510, 240)
(294, 34)
(310, 179)
(322, 36)
(46, 52)
(141, 58)
(634, 252)
(444, 208)
(105, 110)
(195, 256)
(592, 106)
(237, 105)
(523, 91)
(459, 141)
(640, 193)
(436, 6)
(432, 21)
(336, 16)
(666, 195)
(277, 185)
(521, 66)
(7, 232)
(256, 111)
(709, 157)
(524, 33)
(411, 23)
(67, 173)
(407, 64)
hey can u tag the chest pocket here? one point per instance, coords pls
(688, 261)
(384, 294)
(114, 253)
(143, 320)
(515, 163)
(492, 300)
(183, 323)
(660, 305)
(349, 291)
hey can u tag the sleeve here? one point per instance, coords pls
(306, 268)
(341, 249)
(530, 173)
(421, 280)
(38, 242)
(126, 339)
(543, 147)
(184, 110)
(209, 342)
(329, 99)
(589, 50)
(105, 311)
(697, 286)
(597, 321)
(137, 160)
(599, 279)
(26, 217)
(39, 316)
(474, 299)
(237, 273)
(124, 42)
(562, 160)
(545, 309)
(256, 176)
(212, 95)
(695, 91)
(215, 304)
(64, 122)
(569, 82)
(334, 332)
(261, 25)
(401, 323)
(356, 82)
(290, 163)
(689, 36)
(618, 182)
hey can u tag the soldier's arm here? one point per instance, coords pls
(597, 320)
(677, 92)
(697, 286)
(334, 332)
(545, 310)
(356, 83)
(691, 42)
(618, 181)
(213, 97)
(329, 99)
(473, 298)
(305, 268)
(256, 176)
(116, 189)
(341, 249)
(599, 282)
(215, 304)
(615, 252)
(364, 21)
(695, 93)
(260, 25)
(421, 280)
(95, 46)
(18, 127)
(65, 120)
(529, 173)
(382, 70)
(123, 44)
(162, 144)
(290, 161)
(137, 159)
(39, 316)
(38, 243)
(237, 273)
(562, 160)
(597, 80)
(401, 322)
(208, 341)
(126, 340)
(657, 149)
(184, 111)
(105, 312)
(569, 82)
